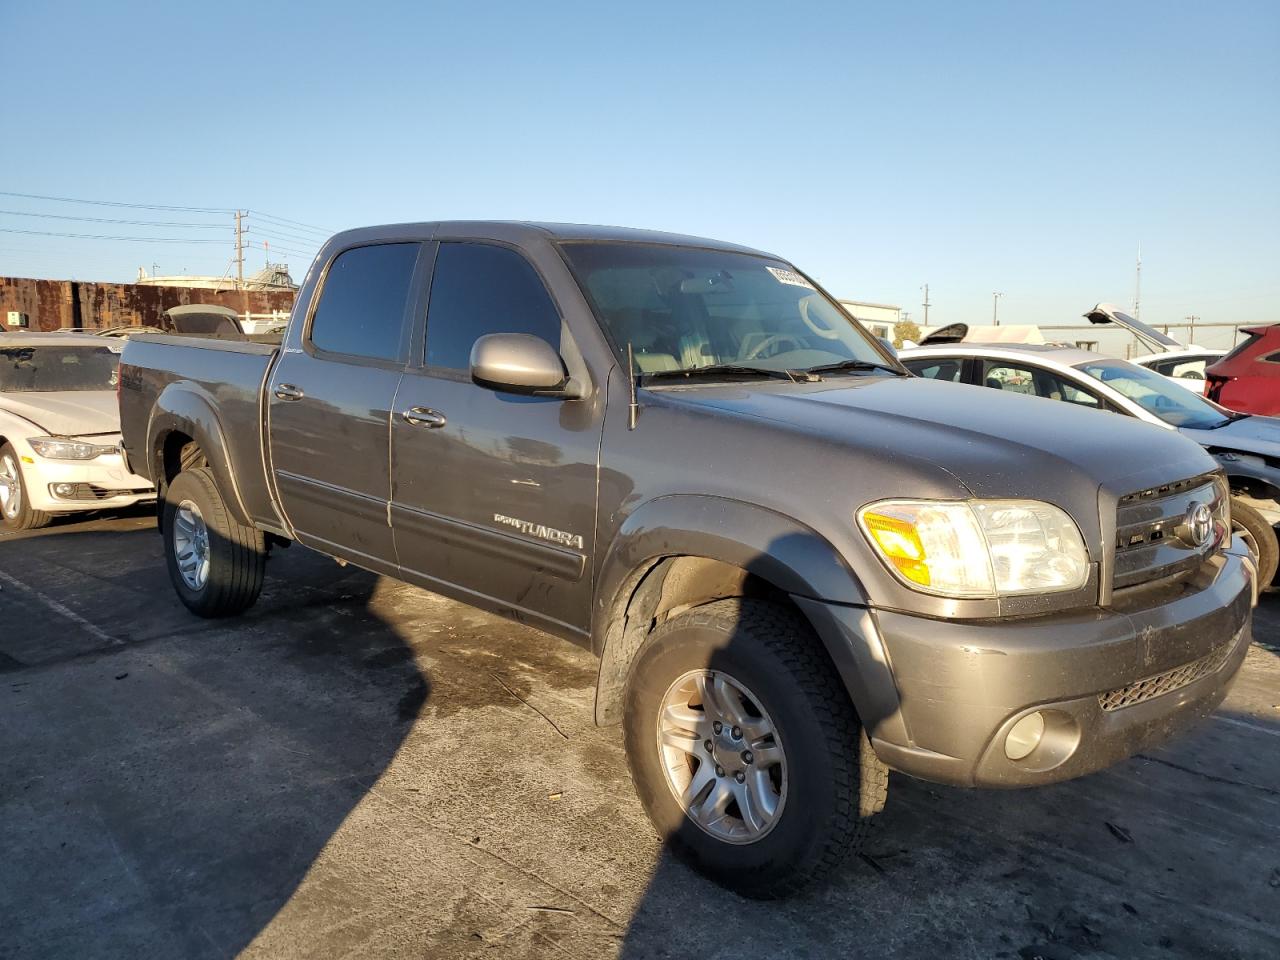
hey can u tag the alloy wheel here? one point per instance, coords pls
(191, 545)
(10, 487)
(722, 756)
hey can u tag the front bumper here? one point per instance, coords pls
(1108, 683)
(95, 484)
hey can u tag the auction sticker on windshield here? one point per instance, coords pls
(789, 277)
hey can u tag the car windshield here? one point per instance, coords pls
(57, 369)
(686, 308)
(1168, 401)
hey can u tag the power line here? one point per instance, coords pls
(92, 236)
(297, 223)
(137, 223)
(116, 203)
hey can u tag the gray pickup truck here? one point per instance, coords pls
(799, 566)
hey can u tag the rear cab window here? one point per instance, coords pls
(361, 311)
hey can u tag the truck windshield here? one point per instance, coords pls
(685, 308)
(57, 369)
(1155, 394)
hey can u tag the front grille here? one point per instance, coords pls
(1168, 681)
(1153, 537)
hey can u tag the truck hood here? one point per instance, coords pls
(994, 443)
(79, 414)
(1260, 435)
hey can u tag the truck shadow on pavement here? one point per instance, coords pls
(205, 765)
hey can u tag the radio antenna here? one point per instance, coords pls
(633, 408)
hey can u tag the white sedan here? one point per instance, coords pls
(60, 429)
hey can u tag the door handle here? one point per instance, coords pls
(424, 417)
(287, 391)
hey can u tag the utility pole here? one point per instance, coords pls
(995, 308)
(1137, 286)
(926, 304)
(1191, 334)
(239, 249)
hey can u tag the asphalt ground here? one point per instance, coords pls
(358, 768)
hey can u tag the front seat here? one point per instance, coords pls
(994, 384)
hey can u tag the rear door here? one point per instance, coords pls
(494, 493)
(330, 402)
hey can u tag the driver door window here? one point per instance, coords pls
(1035, 382)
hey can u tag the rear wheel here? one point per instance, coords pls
(216, 563)
(1259, 536)
(15, 508)
(745, 749)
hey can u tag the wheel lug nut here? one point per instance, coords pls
(707, 745)
(719, 770)
(740, 777)
(737, 733)
(717, 726)
(747, 757)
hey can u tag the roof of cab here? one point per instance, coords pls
(1060, 353)
(515, 231)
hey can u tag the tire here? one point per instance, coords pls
(818, 770)
(15, 505)
(1261, 538)
(216, 563)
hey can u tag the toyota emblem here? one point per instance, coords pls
(1199, 523)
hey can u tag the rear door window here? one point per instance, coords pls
(937, 368)
(361, 312)
(478, 289)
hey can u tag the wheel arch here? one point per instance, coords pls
(181, 416)
(678, 552)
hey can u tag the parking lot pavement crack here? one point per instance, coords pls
(554, 725)
(1214, 778)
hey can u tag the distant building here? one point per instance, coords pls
(274, 276)
(879, 318)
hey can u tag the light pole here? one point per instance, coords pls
(995, 309)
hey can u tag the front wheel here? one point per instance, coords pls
(745, 749)
(216, 563)
(15, 507)
(1260, 537)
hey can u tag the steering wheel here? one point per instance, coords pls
(826, 333)
(772, 339)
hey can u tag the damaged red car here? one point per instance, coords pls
(1248, 378)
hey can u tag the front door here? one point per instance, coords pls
(493, 494)
(330, 405)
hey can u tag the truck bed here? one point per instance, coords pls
(215, 382)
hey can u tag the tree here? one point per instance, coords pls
(905, 330)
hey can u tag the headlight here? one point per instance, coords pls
(67, 449)
(977, 548)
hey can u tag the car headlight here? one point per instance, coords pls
(977, 548)
(68, 449)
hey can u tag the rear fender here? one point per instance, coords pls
(182, 407)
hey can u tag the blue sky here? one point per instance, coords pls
(1021, 147)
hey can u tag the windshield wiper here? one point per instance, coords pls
(852, 365)
(720, 369)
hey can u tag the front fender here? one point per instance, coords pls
(791, 556)
(183, 408)
(778, 549)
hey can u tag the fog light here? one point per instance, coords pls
(1025, 736)
(64, 489)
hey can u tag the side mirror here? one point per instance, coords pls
(521, 363)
